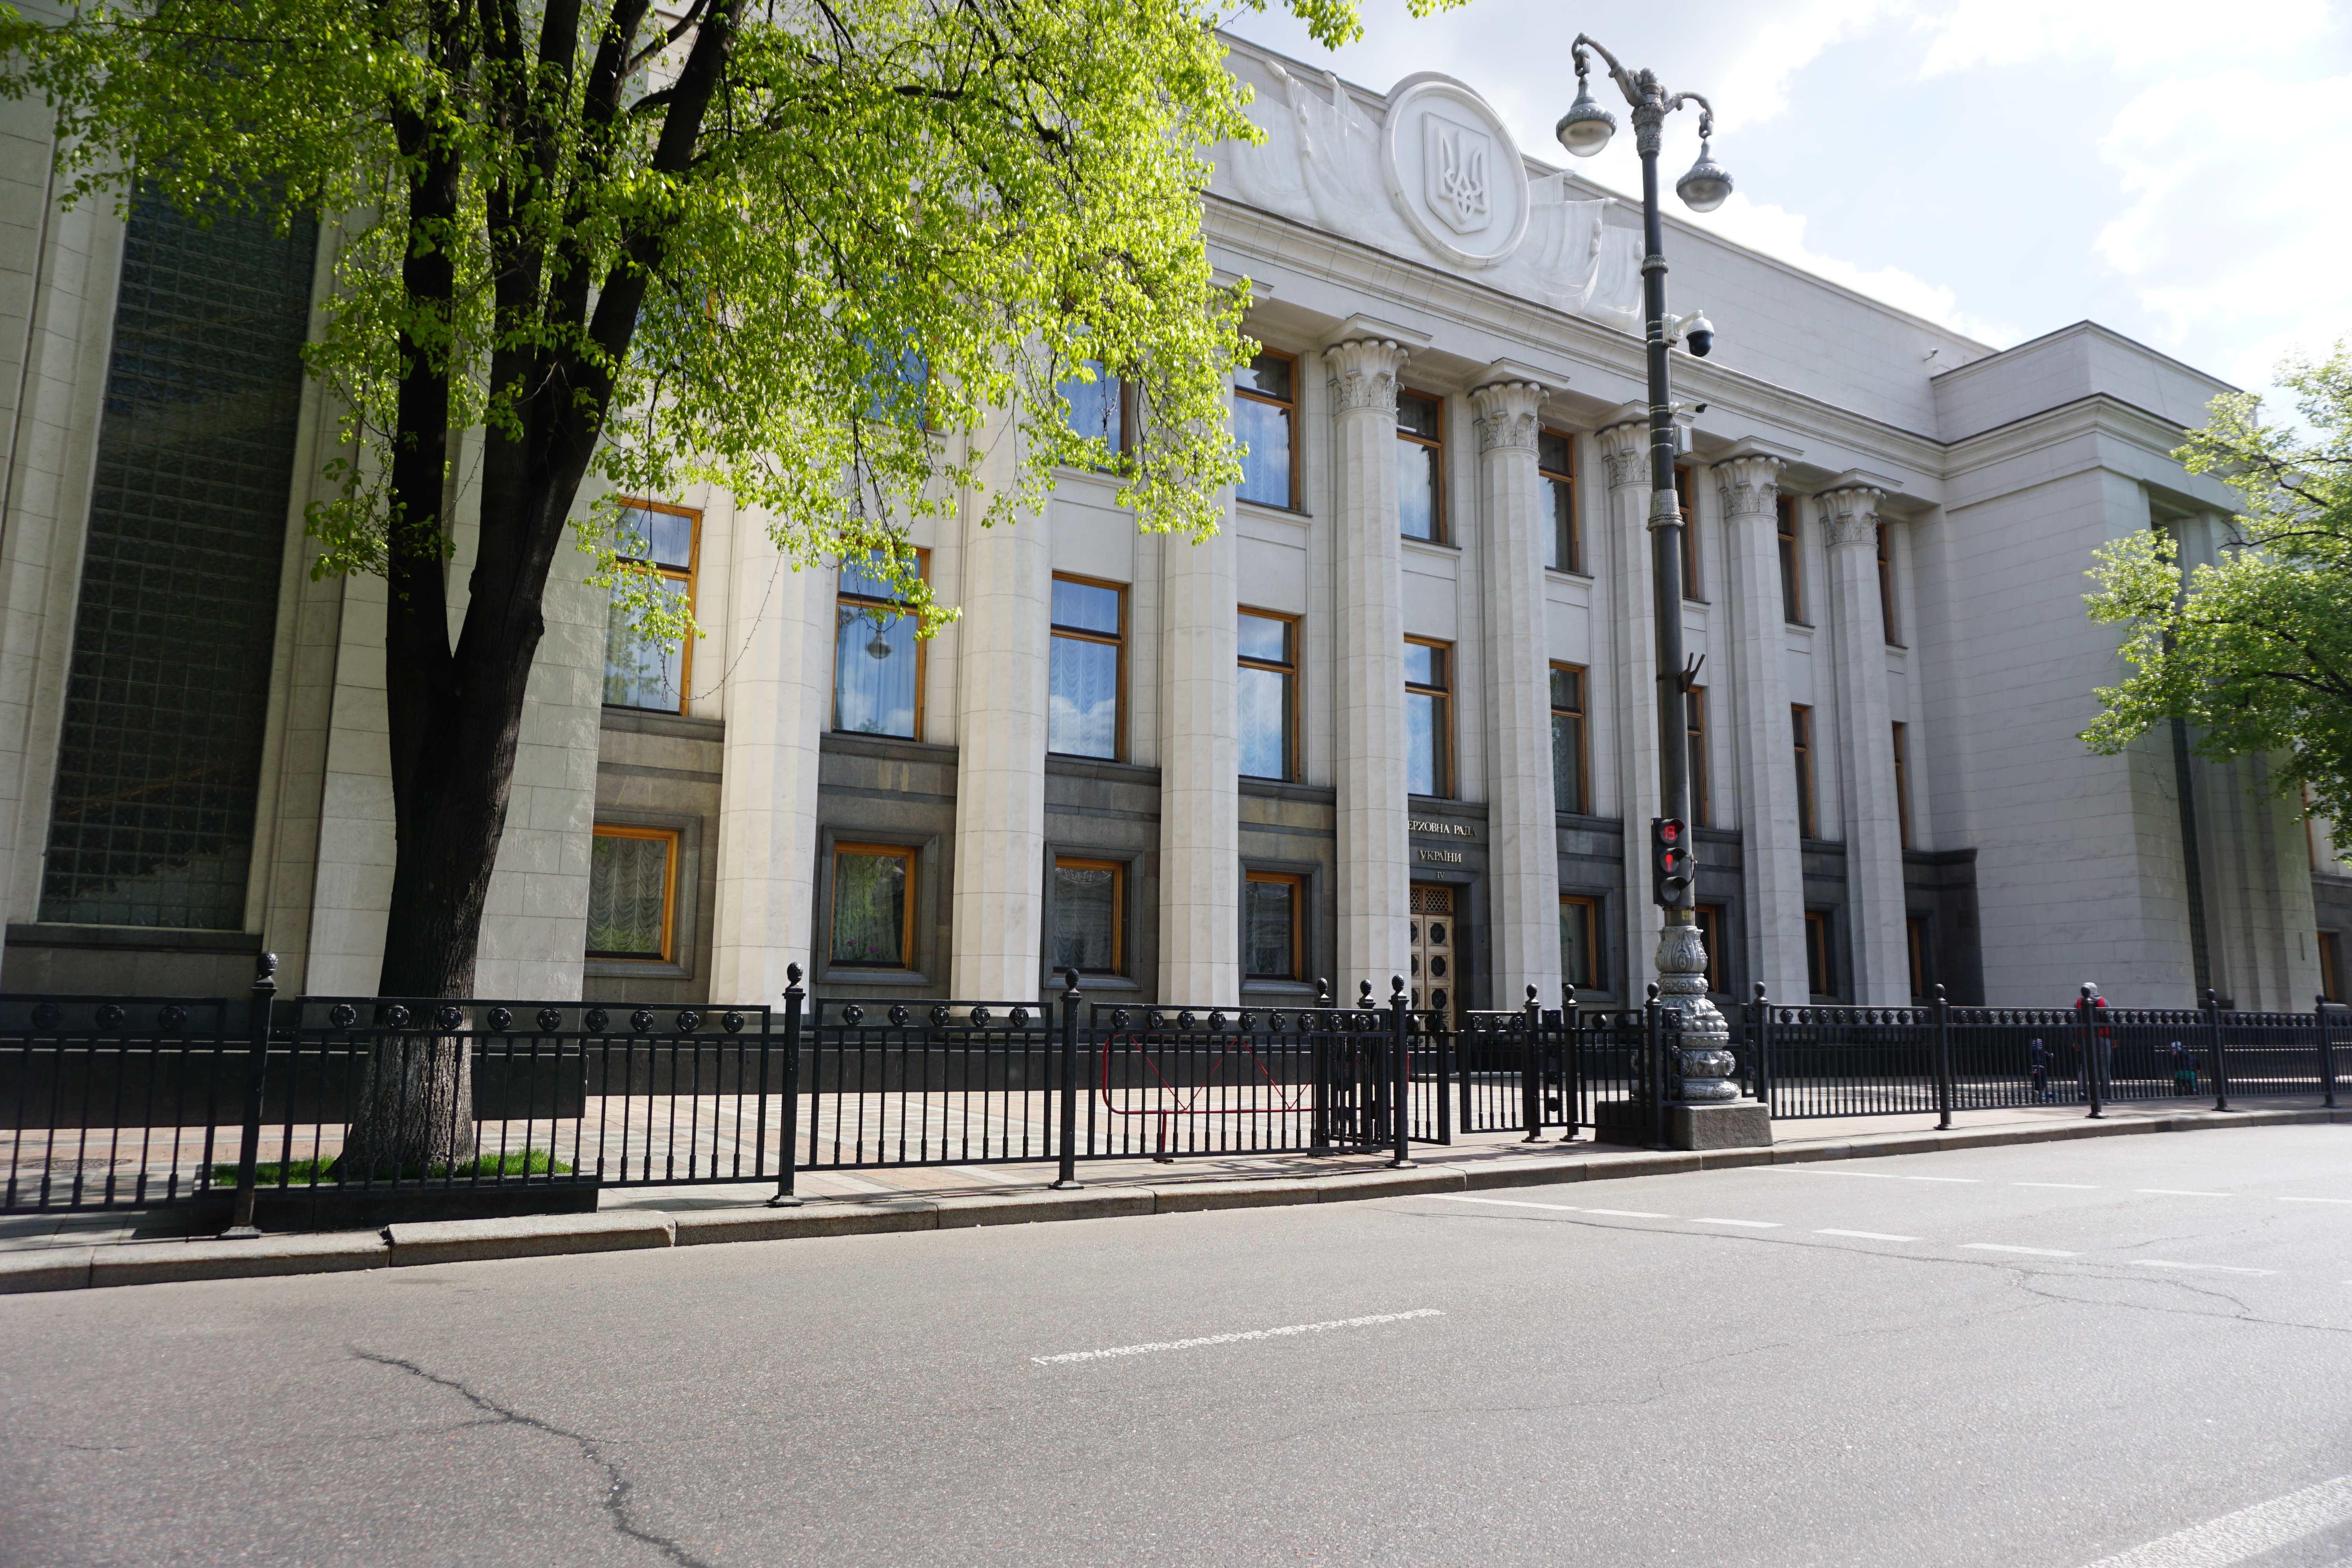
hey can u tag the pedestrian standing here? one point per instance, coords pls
(2037, 1058)
(2184, 1070)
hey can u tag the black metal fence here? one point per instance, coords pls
(132, 1102)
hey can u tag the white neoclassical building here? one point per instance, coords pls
(1395, 718)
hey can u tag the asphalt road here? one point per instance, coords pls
(2039, 1357)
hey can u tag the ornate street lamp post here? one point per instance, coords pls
(1585, 129)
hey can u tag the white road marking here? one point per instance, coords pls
(1867, 1234)
(2069, 1186)
(1507, 1203)
(2249, 1532)
(1996, 1246)
(1812, 1170)
(1236, 1338)
(1972, 1181)
(2209, 1268)
(2177, 1192)
(1750, 1224)
(1629, 1214)
(2286, 1200)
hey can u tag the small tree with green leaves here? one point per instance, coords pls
(2256, 649)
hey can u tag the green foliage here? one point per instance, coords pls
(887, 233)
(304, 1173)
(2256, 650)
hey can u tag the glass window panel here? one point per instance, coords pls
(1263, 697)
(1094, 406)
(1083, 720)
(665, 538)
(1418, 415)
(1086, 918)
(640, 669)
(159, 756)
(1580, 956)
(1264, 431)
(1562, 554)
(874, 674)
(1568, 762)
(1263, 637)
(869, 910)
(1567, 688)
(1269, 930)
(1417, 490)
(1424, 666)
(1268, 374)
(860, 577)
(1083, 607)
(1554, 455)
(1425, 719)
(628, 896)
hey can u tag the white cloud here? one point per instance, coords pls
(2138, 34)
(1777, 232)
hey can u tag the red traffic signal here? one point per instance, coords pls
(1670, 868)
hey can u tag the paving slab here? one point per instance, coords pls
(534, 1235)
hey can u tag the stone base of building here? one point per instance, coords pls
(1741, 1124)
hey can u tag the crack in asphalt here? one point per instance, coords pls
(618, 1487)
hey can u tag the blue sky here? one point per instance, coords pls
(2174, 171)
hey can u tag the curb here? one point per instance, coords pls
(549, 1236)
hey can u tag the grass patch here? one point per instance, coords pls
(304, 1173)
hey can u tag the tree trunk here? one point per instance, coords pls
(416, 1113)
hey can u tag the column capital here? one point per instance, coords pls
(1850, 515)
(1749, 484)
(1626, 449)
(1363, 372)
(1507, 414)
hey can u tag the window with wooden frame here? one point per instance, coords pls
(1265, 423)
(1089, 915)
(1100, 409)
(1274, 926)
(631, 892)
(1915, 942)
(879, 663)
(1572, 772)
(1428, 717)
(1710, 937)
(1556, 468)
(1701, 802)
(1903, 785)
(657, 542)
(1265, 693)
(1886, 586)
(1581, 955)
(1689, 536)
(1086, 676)
(1801, 732)
(2331, 966)
(1820, 955)
(1792, 561)
(1420, 467)
(873, 924)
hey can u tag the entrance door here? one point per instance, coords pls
(1434, 973)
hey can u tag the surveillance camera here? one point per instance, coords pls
(1698, 333)
(1700, 342)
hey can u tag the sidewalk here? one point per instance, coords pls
(48, 1252)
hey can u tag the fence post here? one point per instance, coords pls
(2085, 1016)
(1531, 1068)
(1654, 1060)
(786, 1197)
(1943, 1061)
(2326, 1052)
(1571, 1082)
(2212, 1005)
(1068, 1177)
(1400, 1073)
(260, 1012)
(1320, 1048)
(1762, 1035)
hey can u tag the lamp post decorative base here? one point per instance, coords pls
(1707, 1063)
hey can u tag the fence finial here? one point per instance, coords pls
(1760, 997)
(1363, 993)
(1070, 983)
(1568, 995)
(1396, 987)
(1532, 994)
(1651, 994)
(2211, 998)
(1323, 991)
(265, 971)
(1939, 993)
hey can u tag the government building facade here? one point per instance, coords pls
(1396, 717)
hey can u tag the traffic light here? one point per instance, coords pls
(1670, 863)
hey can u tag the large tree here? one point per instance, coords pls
(2256, 650)
(825, 253)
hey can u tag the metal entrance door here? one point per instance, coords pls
(1434, 974)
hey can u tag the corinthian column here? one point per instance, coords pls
(1000, 821)
(1748, 481)
(1200, 770)
(1520, 818)
(1633, 612)
(1873, 828)
(1374, 873)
